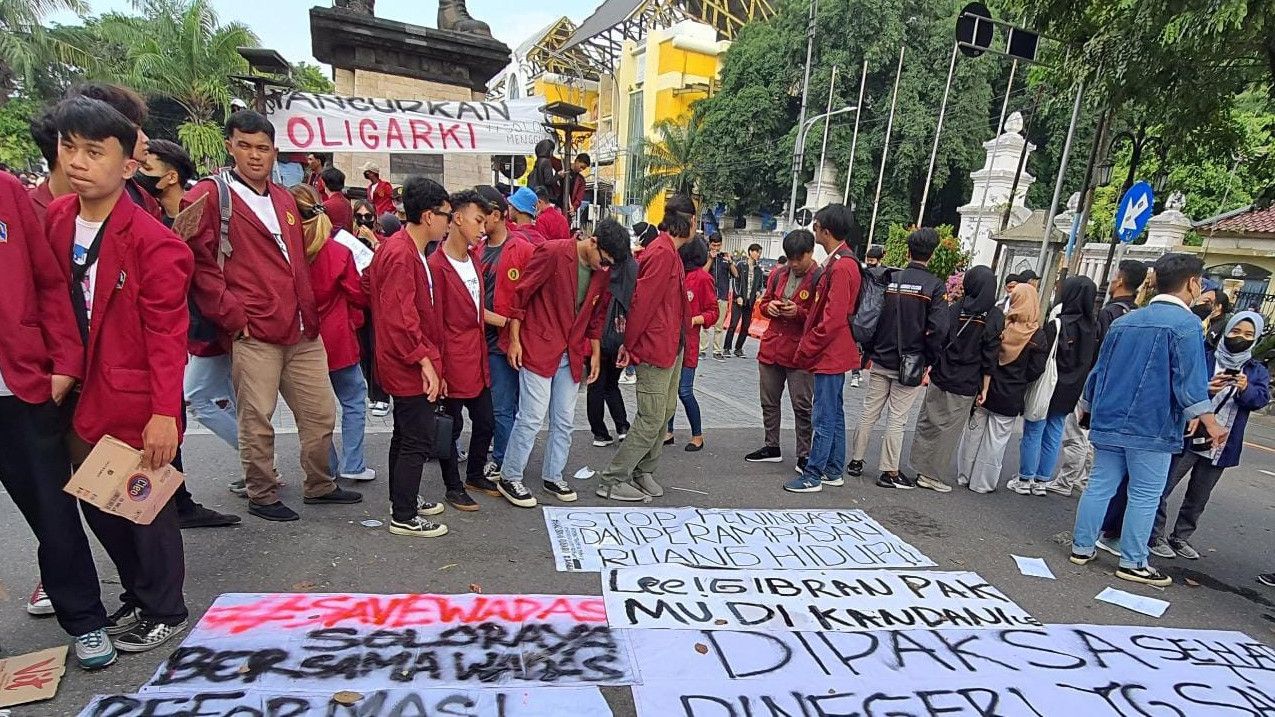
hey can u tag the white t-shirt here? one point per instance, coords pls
(429, 276)
(469, 275)
(4, 389)
(263, 207)
(85, 233)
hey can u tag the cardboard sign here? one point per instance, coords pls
(113, 480)
(675, 596)
(362, 255)
(31, 677)
(589, 539)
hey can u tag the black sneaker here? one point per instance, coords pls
(202, 517)
(801, 464)
(560, 490)
(275, 511)
(898, 480)
(719, 356)
(147, 634)
(1146, 576)
(739, 353)
(765, 454)
(460, 500)
(239, 487)
(602, 441)
(515, 492)
(417, 527)
(1267, 579)
(122, 620)
(854, 469)
(1079, 559)
(340, 496)
(483, 485)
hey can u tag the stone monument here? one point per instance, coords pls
(1169, 228)
(981, 218)
(380, 58)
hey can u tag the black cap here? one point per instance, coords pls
(493, 197)
(1028, 275)
(876, 251)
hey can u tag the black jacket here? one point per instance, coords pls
(1114, 309)
(741, 282)
(1007, 391)
(969, 352)
(914, 311)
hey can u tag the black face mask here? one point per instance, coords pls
(1237, 344)
(1202, 310)
(365, 220)
(148, 183)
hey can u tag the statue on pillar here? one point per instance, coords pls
(452, 15)
(360, 7)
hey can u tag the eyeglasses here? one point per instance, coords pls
(363, 215)
(441, 213)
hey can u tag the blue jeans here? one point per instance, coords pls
(351, 394)
(686, 392)
(1038, 451)
(207, 383)
(828, 446)
(1148, 471)
(504, 403)
(538, 396)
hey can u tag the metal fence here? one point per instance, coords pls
(1263, 304)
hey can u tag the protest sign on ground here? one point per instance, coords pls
(592, 539)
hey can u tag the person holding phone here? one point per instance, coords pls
(1239, 385)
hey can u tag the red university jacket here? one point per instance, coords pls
(660, 315)
(404, 321)
(701, 296)
(338, 293)
(827, 346)
(779, 343)
(545, 301)
(465, 366)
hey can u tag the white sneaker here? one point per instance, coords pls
(854, 382)
(1107, 545)
(94, 650)
(1024, 487)
(491, 471)
(1038, 488)
(627, 379)
(39, 602)
(1014, 483)
(380, 409)
(1054, 486)
(364, 475)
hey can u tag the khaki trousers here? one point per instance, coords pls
(885, 393)
(656, 402)
(260, 372)
(720, 326)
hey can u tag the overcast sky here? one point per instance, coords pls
(284, 25)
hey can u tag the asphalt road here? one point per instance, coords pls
(504, 549)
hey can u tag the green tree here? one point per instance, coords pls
(948, 258)
(311, 78)
(666, 161)
(17, 149)
(26, 46)
(178, 49)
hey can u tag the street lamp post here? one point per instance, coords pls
(796, 170)
(1139, 142)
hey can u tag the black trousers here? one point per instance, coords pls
(741, 317)
(605, 393)
(150, 559)
(411, 443)
(34, 466)
(484, 424)
(367, 344)
(1204, 477)
(184, 501)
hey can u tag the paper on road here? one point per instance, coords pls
(585, 473)
(1137, 603)
(1033, 567)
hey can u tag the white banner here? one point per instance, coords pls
(675, 596)
(539, 702)
(320, 643)
(1090, 670)
(593, 539)
(308, 122)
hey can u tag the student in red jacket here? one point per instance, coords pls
(379, 192)
(827, 349)
(407, 336)
(558, 311)
(45, 134)
(701, 295)
(504, 259)
(655, 337)
(40, 360)
(523, 207)
(338, 294)
(133, 107)
(257, 292)
(786, 302)
(336, 205)
(550, 220)
(458, 295)
(129, 277)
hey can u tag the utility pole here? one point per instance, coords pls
(938, 132)
(885, 146)
(799, 151)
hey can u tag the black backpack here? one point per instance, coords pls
(872, 288)
(201, 329)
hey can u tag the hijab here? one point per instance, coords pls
(1078, 336)
(1232, 361)
(980, 291)
(1022, 321)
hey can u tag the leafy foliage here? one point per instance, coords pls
(26, 46)
(666, 162)
(948, 258)
(311, 78)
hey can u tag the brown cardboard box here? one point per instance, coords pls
(31, 677)
(112, 479)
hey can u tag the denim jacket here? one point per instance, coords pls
(1150, 379)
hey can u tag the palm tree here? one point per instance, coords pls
(178, 49)
(26, 46)
(665, 161)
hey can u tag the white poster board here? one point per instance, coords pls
(323, 642)
(676, 596)
(362, 254)
(536, 702)
(1069, 670)
(594, 539)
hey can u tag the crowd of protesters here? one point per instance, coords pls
(139, 292)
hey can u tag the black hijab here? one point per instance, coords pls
(980, 291)
(1079, 335)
